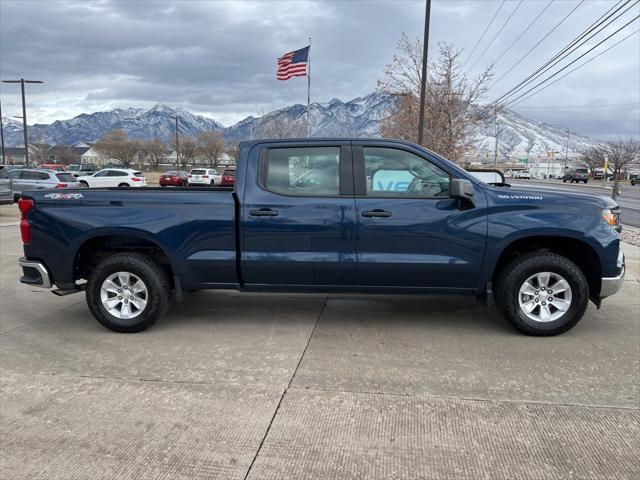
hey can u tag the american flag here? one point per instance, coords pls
(293, 64)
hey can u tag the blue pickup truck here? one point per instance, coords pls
(328, 215)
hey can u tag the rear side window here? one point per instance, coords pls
(138, 174)
(116, 173)
(65, 177)
(30, 175)
(307, 171)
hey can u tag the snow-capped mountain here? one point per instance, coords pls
(359, 117)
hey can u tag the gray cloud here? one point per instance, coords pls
(218, 58)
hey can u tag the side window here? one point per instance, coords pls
(117, 173)
(396, 173)
(102, 173)
(305, 171)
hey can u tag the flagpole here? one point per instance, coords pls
(309, 91)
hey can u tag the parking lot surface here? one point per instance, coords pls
(261, 386)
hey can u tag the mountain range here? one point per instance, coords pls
(360, 117)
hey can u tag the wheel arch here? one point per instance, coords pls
(99, 246)
(576, 250)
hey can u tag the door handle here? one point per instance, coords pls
(263, 212)
(376, 213)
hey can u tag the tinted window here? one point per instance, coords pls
(582, 170)
(138, 174)
(102, 173)
(65, 177)
(230, 173)
(198, 172)
(30, 175)
(73, 168)
(396, 173)
(172, 174)
(117, 173)
(15, 173)
(303, 171)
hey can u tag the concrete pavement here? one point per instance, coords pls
(308, 386)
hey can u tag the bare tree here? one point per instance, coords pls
(188, 150)
(210, 146)
(117, 144)
(66, 155)
(594, 157)
(39, 151)
(621, 154)
(451, 110)
(233, 150)
(154, 151)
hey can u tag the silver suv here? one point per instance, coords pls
(6, 191)
(36, 179)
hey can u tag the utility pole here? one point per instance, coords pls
(495, 151)
(177, 145)
(423, 79)
(566, 151)
(4, 159)
(22, 81)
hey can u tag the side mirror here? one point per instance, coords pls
(462, 189)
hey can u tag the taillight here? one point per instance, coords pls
(189, 176)
(61, 185)
(25, 205)
(135, 179)
(205, 176)
(174, 178)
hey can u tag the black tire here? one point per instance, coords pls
(519, 270)
(564, 180)
(213, 183)
(84, 184)
(151, 274)
(124, 185)
(586, 181)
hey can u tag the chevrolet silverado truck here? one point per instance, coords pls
(328, 215)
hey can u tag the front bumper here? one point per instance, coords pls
(34, 273)
(611, 285)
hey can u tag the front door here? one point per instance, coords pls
(410, 232)
(298, 218)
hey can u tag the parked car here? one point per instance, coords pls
(598, 174)
(228, 177)
(173, 178)
(82, 169)
(542, 254)
(58, 167)
(115, 177)
(576, 175)
(6, 188)
(635, 181)
(26, 179)
(522, 175)
(204, 176)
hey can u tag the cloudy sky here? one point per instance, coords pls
(217, 58)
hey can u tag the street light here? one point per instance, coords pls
(4, 159)
(423, 79)
(177, 147)
(22, 81)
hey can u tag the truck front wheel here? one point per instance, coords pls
(128, 292)
(542, 293)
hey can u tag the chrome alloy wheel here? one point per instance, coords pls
(544, 297)
(124, 295)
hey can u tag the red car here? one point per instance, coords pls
(173, 179)
(228, 177)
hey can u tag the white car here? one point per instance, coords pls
(522, 175)
(114, 177)
(204, 177)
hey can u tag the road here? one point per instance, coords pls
(629, 200)
(265, 386)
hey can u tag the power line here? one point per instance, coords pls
(564, 107)
(536, 45)
(578, 68)
(570, 48)
(574, 61)
(496, 35)
(484, 33)
(523, 32)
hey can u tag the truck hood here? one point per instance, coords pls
(555, 193)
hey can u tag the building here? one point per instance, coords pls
(14, 156)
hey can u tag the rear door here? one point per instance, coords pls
(298, 216)
(410, 233)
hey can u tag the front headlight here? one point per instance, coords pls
(612, 217)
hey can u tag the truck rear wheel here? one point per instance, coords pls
(542, 293)
(128, 292)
